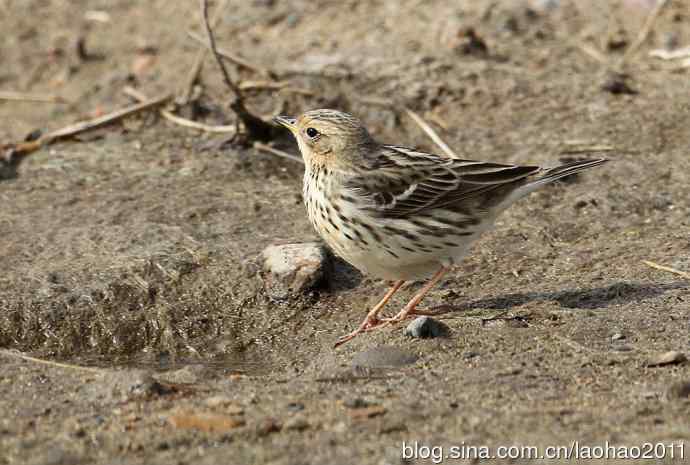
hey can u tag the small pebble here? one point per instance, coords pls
(544, 5)
(150, 387)
(295, 406)
(296, 424)
(426, 327)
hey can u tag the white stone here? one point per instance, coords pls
(296, 267)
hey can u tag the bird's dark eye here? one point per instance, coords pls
(311, 132)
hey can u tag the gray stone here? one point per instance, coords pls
(295, 406)
(426, 327)
(293, 268)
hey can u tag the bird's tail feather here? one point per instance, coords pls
(549, 175)
(553, 174)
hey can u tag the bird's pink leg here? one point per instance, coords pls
(372, 320)
(409, 309)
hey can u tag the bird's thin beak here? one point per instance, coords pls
(286, 121)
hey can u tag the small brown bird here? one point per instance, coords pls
(398, 213)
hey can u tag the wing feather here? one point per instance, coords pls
(408, 181)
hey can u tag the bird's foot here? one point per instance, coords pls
(369, 324)
(406, 314)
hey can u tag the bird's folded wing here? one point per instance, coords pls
(407, 181)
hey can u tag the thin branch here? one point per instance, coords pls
(275, 151)
(279, 85)
(116, 115)
(644, 32)
(28, 358)
(431, 133)
(682, 274)
(671, 54)
(24, 148)
(257, 128)
(193, 77)
(24, 97)
(212, 44)
(225, 129)
(592, 52)
(239, 61)
(170, 116)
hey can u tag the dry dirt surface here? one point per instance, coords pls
(131, 255)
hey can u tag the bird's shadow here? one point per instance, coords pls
(346, 277)
(597, 297)
(343, 276)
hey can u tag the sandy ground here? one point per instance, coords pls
(134, 251)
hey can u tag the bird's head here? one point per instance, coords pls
(330, 138)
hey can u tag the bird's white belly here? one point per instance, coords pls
(398, 259)
(392, 249)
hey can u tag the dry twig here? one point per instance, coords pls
(24, 97)
(431, 133)
(682, 274)
(257, 128)
(282, 86)
(212, 46)
(275, 151)
(17, 151)
(170, 116)
(193, 77)
(239, 61)
(577, 147)
(671, 54)
(680, 57)
(643, 34)
(207, 128)
(28, 358)
(592, 52)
